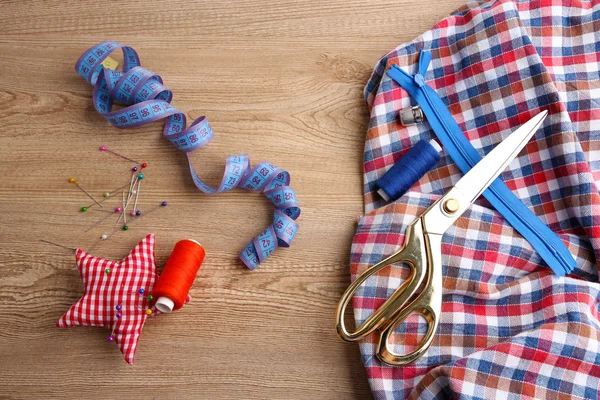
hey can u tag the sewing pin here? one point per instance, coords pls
(103, 148)
(116, 210)
(107, 195)
(139, 214)
(137, 193)
(132, 183)
(73, 180)
(124, 210)
(59, 245)
(119, 209)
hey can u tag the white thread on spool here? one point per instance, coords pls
(435, 145)
(164, 305)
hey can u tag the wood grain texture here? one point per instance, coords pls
(280, 80)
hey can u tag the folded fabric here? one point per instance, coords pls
(510, 328)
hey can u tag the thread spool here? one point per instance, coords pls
(177, 278)
(409, 169)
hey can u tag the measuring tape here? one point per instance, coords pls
(146, 100)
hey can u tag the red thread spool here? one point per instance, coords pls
(177, 278)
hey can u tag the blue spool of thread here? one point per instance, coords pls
(409, 169)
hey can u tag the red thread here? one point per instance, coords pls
(179, 273)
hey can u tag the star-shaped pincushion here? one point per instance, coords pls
(115, 295)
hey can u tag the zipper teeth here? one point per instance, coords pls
(564, 263)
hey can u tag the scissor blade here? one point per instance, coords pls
(474, 183)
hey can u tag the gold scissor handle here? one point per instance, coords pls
(412, 253)
(428, 304)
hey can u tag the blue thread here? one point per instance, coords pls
(408, 170)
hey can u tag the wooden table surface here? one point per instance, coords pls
(279, 80)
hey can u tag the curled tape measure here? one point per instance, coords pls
(146, 100)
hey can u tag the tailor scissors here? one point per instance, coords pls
(421, 292)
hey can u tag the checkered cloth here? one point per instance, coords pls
(111, 284)
(510, 329)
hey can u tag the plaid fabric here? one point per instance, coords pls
(510, 329)
(103, 292)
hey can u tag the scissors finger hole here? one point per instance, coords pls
(380, 286)
(372, 293)
(409, 334)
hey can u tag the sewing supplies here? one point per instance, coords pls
(421, 292)
(74, 181)
(107, 195)
(409, 169)
(411, 116)
(117, 291)
(137, 191)
(59, 245)
(147, 100)
(546, 243)
(139, 214)
(103, 148)
(177, 278)
(133, 175)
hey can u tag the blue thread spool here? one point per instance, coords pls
(409, 169)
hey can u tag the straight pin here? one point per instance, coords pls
(74, 181)
(108, 194)
(124, 210)
(132, 183)
(139, 213)
(119, 209)
(116, 210)
(103, 148)
(59, 245)
(137, 193)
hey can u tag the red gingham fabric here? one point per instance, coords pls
(102, 293)
(510, 328)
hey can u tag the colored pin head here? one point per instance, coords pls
(118, 210)
(74, 181)
(83, 209)
(106, 194)
(144, 165)
(164, 204)
(134, 169)
(138, 212)
(140, 176)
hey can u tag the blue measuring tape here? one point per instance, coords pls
(147, 101)
(549, 246)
